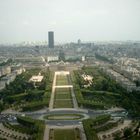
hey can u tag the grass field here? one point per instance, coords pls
(63, 93)
(62, 90)
(67, 134)
(63, 117)
(63, 96)
(63, 104)
(62, 80)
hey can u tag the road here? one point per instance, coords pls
(41, 113)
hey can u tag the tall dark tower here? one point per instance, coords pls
(51, 39)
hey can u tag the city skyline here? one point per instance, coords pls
(88, 20)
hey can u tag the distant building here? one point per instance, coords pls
(20, 70)
(4, 70)
(36, 78)
(51, 39)
(37, 49)
(2, 84)
(79, 42)
(61, 55)
(88, 79)
(83, 58)
(8, 78)
(52, 58)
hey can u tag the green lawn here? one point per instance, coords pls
(63, 117)
(63, 104)
(62, 90)
(63, 96)
(61, 80)
(62, 93)
(67, 134)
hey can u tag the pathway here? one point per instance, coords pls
(75, 106)
(115, 129)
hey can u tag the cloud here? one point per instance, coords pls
(53, 23)
(26, 23)
(2, 23)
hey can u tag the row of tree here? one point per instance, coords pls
(36, 126)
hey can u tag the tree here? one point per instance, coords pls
(117, 137)
(137, 83)
(127, 132)
(1, 107)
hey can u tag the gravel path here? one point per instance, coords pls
(126, 123)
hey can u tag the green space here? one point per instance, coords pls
(107, 98)
(104, 92)
(64, 134)
(35, 127)
(22, 95)
(63, 104)
(104, 123)
(89, 125)
(63, 117)
(62, 93)
(62, 90)
(62, 80)
(31, 128)
(63, 98)
(33, 106)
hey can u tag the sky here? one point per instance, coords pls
(88, 20)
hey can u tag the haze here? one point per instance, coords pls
(89, 20)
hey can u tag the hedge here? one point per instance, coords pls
(19, 128)
(90, 123)
(35, 106)
(38, 126)
(90, 133)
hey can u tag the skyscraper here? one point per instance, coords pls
(51, 39)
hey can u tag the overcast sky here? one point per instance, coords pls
(89, 20)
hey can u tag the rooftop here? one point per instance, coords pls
(36, 78)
